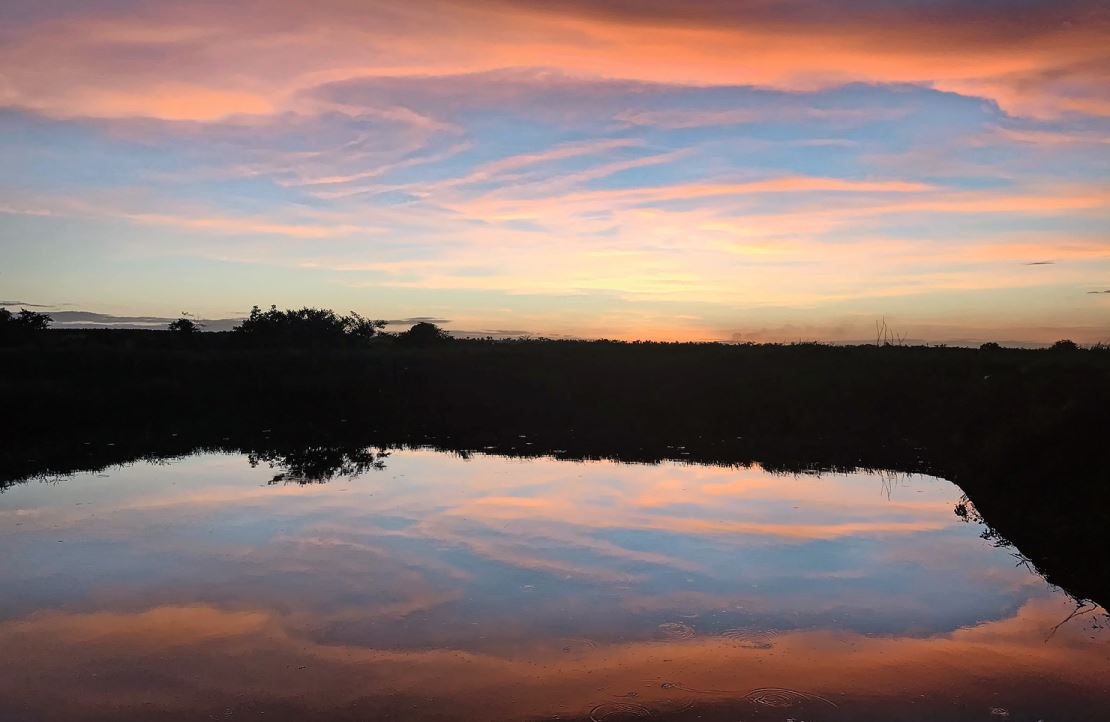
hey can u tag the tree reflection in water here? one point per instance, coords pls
(319, 464)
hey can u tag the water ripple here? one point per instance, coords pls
(751, 637)
(618, 710)
(782, 697)
(676, 631)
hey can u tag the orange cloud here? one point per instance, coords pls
(502, 205)
(50, 669)
(172, 62)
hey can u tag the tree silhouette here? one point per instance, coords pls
(311, 326)
(423, 334)
(185, 325)
(23, 324)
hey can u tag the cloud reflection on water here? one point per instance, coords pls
(444, 582)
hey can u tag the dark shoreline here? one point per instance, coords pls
(1023, 432)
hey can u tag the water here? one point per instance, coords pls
(491, 588)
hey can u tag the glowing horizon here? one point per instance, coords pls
(709, 171)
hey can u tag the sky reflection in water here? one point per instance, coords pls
(494, 588)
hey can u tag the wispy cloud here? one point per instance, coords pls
(232, 225)
(92, 319)
(164, 60)
(1053, 137)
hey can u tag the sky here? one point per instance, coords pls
(703, 170)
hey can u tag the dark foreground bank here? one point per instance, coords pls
(1022, 431)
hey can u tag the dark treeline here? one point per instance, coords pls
(304, 328)
(943, 400)
(1022, 431)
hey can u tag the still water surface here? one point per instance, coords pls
(491, 588)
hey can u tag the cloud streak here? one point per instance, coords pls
(161, 60)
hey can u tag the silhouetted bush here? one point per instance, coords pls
(423, 334)
(22, 325)
(363, 328)
(1065, 345)
(990, 346)
(185, 326)
(306, 326)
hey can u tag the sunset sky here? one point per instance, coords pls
(704, 169)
